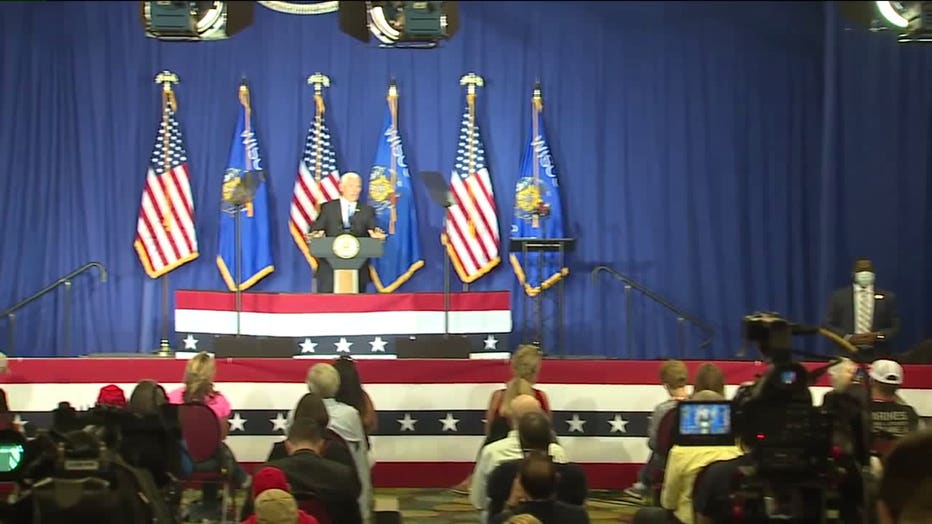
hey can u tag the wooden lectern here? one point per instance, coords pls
(346, 254)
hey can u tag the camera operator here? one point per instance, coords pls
(713, 486)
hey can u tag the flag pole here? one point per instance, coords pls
(166, 78)
(471, 81)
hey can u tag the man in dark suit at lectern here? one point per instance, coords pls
(345, 215)
(864, 315)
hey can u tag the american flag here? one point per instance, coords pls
(472, 225)
(318, 181)
(165, 234)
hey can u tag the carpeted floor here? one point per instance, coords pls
(442, 506)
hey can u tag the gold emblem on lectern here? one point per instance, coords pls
(345, 246)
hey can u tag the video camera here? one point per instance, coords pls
(806, 461)
(78, 470)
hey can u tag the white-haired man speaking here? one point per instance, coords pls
(345, 215)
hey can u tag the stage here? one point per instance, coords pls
(430, 411)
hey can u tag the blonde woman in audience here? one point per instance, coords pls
(199, 374)
(525, 370)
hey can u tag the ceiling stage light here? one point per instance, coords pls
(194, 21)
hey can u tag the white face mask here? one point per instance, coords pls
(864, 278)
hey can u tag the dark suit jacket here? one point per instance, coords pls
(547, 511)
(840, 316)
(336, 485)
(330, 219)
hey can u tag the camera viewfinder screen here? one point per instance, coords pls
(788, 377)
(705, 419)
(10, 456)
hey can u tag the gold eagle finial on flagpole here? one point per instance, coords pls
(319, 81)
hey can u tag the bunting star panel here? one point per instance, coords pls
(430, 412)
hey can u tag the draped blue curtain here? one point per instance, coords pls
(711, 151)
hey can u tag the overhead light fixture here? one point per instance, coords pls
(891, 13)
(913, 18)
(187, 21)
(400, 23)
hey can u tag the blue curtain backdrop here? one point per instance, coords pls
(732, 157)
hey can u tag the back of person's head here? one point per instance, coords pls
(305, 431)
(842, 373)
(269, 478)
(147, 398)
(350, 390)
(111, 395)
(906, 486)
(707, 394)
(324, 380)
(524, 518)
(199, 376)
(525, 363)
(535, 431)
(515, 388)
(709, 377)
(674, 374)
(886, 377)
(312, 406)
(538, 475)
(522, 405)
(276, 506)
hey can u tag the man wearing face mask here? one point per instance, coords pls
(866, 316)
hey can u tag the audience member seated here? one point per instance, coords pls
(533, 492)
(155, 435)
(683, 464)
(536, 434)
(276, 506)
(199, 375)
(351, 393)
(111, 395)
(525, 370)
(335, 448)
(709, 377)
(345, 421)
(905, 493)
(334, 484)
(673, 377)
(891, 417)
(274, 479)
(504, 450)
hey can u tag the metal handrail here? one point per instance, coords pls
(65, 280)
(681, 316)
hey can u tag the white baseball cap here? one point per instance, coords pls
(887, 372)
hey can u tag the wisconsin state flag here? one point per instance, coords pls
(245, 169)
(392, 197)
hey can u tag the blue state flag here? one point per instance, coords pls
(538, 213)
(392, 197)
(245, 178)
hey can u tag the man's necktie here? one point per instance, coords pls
(864, 320)
(346, 215)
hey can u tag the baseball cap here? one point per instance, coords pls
(268, 478)
(111, 395)
(275, 506)
(887, 372)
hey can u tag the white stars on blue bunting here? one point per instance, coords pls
(237, 423)
(307, 346)
(190, 342)
(576, 424)
(407, 423)
(279, 422)
(449, 423)
(378, 345)
(343, 346)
